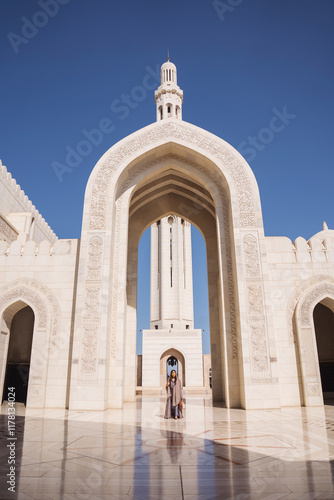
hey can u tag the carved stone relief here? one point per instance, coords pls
(214, 148)
(311, 299)
(230, 273)
(259, 349)
(92, 302)
(313, 390)
(9, 233)
(115, 279)
(305, 327)
(94, 261)
(255, 299)
(299, 291)
(91, 312)
(88, 358)
(252, 266)
(210, 145)
(33, 291)
(23, 293)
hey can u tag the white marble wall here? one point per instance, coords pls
(157, 342)
(43, 277)
(257, 285)
(294, 268)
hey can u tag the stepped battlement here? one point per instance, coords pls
(14, 200)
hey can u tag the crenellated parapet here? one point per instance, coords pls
(14, 201)
(318, 249)
(30, 248)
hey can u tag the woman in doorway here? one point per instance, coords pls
(174, 396)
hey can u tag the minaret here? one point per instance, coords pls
(169, 96)
(171, 275)
(171, 340)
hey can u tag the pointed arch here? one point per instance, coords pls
(320, 292)
(208, 183)
(179, 355)
(13, 297)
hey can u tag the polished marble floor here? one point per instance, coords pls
(213, 453)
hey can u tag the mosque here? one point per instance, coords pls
(68, 307)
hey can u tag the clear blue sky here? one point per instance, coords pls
(236, 64)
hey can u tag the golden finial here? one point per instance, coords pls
(168, 55)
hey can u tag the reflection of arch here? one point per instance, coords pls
(14, 297)
(308, 353)
(163, 365)
(171, 167)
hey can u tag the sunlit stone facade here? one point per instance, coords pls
(271, 301)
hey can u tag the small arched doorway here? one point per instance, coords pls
(323, 318)
(172, 359)
(19, 354)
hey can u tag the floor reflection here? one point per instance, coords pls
(135, 453)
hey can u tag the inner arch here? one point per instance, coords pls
(170, 191)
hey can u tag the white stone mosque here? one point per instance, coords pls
(68, 307)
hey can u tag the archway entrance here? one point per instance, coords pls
(172, 168)
(323, 318)
(172, 359)
(19, 354)
(171, 190)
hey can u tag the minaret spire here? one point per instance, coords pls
(169, 96)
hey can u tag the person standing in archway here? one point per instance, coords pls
(174, 397)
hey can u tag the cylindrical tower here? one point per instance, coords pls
(169, 96)
(171, 274)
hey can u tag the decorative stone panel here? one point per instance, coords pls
(149, 138)
(88, 366)
(259, 349)
(312, 299)
(37, 295)
(89, 352)
(94, 261)
(306, 337)
(10, 234)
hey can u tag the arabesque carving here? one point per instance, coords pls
(7, 230)
(313, 297)
(37, 295)
(252, 265)
(89, 352)
(95, 247)
(147, 139)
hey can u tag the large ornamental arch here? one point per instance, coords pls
(170, 167)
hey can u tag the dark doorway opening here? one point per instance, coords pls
(324, 329)
(19, 354)
(172, 364)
